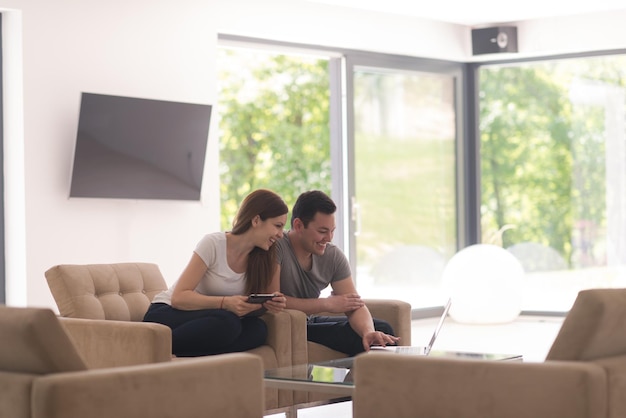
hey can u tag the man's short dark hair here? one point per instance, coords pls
(309, 203)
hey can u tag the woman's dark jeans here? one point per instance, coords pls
(208, 331)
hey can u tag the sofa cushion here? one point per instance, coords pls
(34, 342)
(120, 291)
(594, 328)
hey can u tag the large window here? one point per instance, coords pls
(382, 135)
(376, 132)
(405, 188)
(553, 173)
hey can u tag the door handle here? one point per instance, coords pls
(356, 216)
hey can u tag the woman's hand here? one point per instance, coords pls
(238, 305)
(277, 303)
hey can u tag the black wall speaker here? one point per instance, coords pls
(494, 40)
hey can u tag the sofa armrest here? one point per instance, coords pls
(401, 386)
(108, 343)
(287, 336)
(396, 312)
(299, 344)
(615, 368)
(279, 336)
(227, 385)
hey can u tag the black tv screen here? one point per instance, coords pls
(133, 148)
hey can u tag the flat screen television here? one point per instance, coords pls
(133, 148)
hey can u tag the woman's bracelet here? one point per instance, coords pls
(222, 302)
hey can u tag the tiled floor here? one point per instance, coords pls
(530, 336)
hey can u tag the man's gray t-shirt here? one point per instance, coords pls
(330, 267)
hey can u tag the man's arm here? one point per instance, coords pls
(340, 304)
(333, 304)
(308, 306)
(360, 318)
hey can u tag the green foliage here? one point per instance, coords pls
(409, 183)
(404, 159)
(542, 153)
(525, 157)
(274, 127)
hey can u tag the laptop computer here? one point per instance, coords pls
(418, 351)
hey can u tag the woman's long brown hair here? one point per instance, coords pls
(261, 264)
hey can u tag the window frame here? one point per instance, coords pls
(341, 64)
(467, 84)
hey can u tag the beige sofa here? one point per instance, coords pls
(123, 291)
(43, 374)
(584, 375)
(120, 294)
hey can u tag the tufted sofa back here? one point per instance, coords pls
(120, 291)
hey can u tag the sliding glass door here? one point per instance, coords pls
(403, 189)
(379, 133)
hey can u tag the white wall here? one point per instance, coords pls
(598, 31)
(145, 48)
(157, 49)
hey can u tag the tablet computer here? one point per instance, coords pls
(260, 297)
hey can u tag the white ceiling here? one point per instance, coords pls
(482, 12)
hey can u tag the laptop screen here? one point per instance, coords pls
(446, 309)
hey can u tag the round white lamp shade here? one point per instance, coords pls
(484, 282)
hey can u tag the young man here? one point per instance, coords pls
(308, 263)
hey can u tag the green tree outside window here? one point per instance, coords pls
(274, 126)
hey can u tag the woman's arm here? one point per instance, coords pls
(184, 295)
(186, 298)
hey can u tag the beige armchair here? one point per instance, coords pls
(584, 375)
(43, 374)
(396, 312)
(120, 294)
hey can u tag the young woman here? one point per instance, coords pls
(207, 308)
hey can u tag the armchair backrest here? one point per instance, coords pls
(34, 342)
(594, 328)
(121, 291)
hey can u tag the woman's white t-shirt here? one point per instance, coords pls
(218, 279)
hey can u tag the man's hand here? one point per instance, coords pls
(343, 303)
(378, 338)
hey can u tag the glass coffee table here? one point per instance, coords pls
(334, 377)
